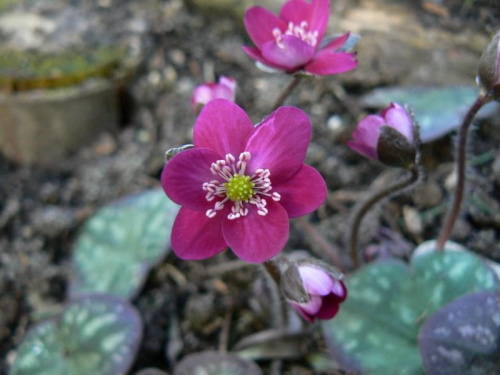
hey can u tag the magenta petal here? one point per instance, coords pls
(260, 24)
(296, 11)
(313, 306)
(397, 118)
(329, 308)
(195, 236)
(320, 12)
(336, 43)
(255, 54)
(303, 193)
(326, 62)
(316, 281)
(280, 143)
(183, 177)
(293, 54)
(223, 127)
(364, 150)
(315, 14)
(302, 313)
(255, 238)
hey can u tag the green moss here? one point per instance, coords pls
(28, 70)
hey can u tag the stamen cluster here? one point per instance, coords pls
(239, 188)
(299, 31)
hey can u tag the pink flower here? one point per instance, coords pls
(324, 292)
(292, 41)
(225, 89)
(240, 184)
(374, 139)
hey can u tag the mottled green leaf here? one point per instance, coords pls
(438, 110)
(215, 363)
(120, 243)
(97, 335)
(377, 327)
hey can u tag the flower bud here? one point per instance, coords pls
(314, 289)
(202, 94)
(488, 75)
(388, 138)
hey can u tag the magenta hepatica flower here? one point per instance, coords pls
(240, 184)
(325, 294)
(292, 41)
(225, 89)
(399, 144)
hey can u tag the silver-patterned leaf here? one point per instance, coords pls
(120, 243)
(97, 334)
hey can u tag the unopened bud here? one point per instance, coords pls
(389, 138)
(488, 75)
(314, 289)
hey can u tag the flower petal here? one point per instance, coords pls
(329, 308)
(397, 117)
(280, 143)
(313, 306)
(336, 43)
(316, 14)
(316, 281)
(223, 127)
(183, 177)
(292, 54)
(366, 136)
(302, 313)
(255, 238)
(327, 62)
(260, 24)
(255, 54)
(195, 236)
(303, 193)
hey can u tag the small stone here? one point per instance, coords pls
(413, 222)
(428, 195)
(451, 181)
(200, 309)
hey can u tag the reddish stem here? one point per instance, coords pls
(452, 216)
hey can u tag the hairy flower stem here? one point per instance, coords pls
(452, 216)
(277, 309)
(288, 90)
(369, 203)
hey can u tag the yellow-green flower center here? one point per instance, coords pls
(239, 188)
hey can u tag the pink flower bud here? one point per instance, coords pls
(315, 292)
(388, 138)
(202, 94)
(488, 75)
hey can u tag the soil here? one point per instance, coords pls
(193, 306)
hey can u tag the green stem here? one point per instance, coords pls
(368, 204)
(288, 90)
(452, 215)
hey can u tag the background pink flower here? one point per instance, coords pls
(292, 41)
(225, 89)
(325, 294)
(367, 133)
(240, 184)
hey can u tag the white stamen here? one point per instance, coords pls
(300, 31)
(226, 169)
